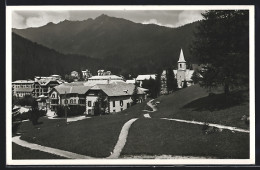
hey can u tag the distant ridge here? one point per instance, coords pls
(124, 46)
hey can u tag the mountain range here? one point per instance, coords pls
(117, 44)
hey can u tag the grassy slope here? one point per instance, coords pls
(20, 152)
(193, 103)
(158, 137)
(93, 137)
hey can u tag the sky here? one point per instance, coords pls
(168, 18)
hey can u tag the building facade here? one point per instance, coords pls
(21, 88)
(118, 96)
(43, 85)
(141, 78)
(68, 94)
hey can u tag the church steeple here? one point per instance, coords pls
(181, 62)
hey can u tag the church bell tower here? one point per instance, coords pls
(181, 62)
(181, 72)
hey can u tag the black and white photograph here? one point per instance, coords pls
(115, 85)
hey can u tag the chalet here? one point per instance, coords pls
(42, 85)
(68, 94)
(118, 95)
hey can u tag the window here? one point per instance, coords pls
(75, 101)
(89, 103)
(71, 100)
(121, 103)
(53, 95)
(180, 65)
(81, 101)
(114, 103)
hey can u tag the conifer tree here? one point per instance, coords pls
(135, 96)
(222, 43)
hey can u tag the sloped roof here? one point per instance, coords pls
(145, 77)
(62, 89)
(181, 58)
(130, 81)
(118, 89)
(77, 83)
(24, 89)
(93, 83)
(24, 81)
(106, 77)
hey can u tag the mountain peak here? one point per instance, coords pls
(103, 16)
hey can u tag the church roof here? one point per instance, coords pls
(181, 59)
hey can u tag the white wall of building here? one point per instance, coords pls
(120, 103)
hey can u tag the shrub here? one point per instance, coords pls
(30, 114)
(76, 110)
(16, 121)
(71, 110)
(60, 111)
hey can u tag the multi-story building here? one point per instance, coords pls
(141, 78)
(86, 74)
(43, 85)
(68, 94)
(21, 88)
(102, 78)
(118, 95)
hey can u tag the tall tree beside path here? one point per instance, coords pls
(170, 80)
(222, 44)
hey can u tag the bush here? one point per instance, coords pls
(16, 121)
(30, 114)
(71, 110)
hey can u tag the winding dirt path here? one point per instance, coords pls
(122, 139)
(54, 151)
(116, 152)
(210, 124)
(149, 103)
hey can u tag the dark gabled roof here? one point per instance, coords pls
(117, 89)
(62, 89)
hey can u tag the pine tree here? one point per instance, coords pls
(222, 43)
(101, 105)
(158, 83)
(184, 84)
(171, 81)
(135, 96)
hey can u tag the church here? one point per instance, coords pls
(181, 74)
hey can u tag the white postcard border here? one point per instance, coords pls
(10, 161)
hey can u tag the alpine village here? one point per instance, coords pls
(111, 88)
